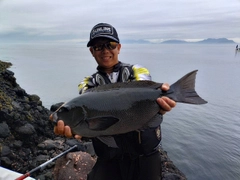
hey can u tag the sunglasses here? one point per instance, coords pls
(108, 45)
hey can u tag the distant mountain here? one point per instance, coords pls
(215, 41)
(205, 41)
(174, 42)
(130, 41)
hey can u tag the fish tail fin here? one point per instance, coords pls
(184, 90)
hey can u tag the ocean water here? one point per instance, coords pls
(203, 141)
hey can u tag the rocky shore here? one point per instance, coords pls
(27, 139)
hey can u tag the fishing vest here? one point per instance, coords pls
(133, 143)
(122, 73)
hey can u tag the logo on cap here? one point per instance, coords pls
(101, 31)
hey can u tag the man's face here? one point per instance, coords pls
(105, 52)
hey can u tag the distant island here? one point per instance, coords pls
(205, 41)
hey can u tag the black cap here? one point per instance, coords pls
(103, 30)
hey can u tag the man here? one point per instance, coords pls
(130, 156)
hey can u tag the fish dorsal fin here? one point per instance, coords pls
(130, 84)
(101, 123)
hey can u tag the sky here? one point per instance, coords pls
(70, 21)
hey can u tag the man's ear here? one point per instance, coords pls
(119, 47)
(91, 50)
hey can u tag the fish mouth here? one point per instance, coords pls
(54, 118)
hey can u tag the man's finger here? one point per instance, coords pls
(77, 137)
(60, 127)
(165, 86)
(169, 102)
(166, 104)
(67, 131)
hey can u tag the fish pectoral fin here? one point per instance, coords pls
(101, 123)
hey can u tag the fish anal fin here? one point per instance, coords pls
(155, 121)
(101, 123)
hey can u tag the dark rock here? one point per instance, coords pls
(27, 129)
(4, 130)
(6, 162)
(8, 75)
(17, 144)
(26, 107)
(48, 145)
(5, 150)
(20, 92)
(23, 99)
(39, 108)
(4, 116)
(42, 158)
(41, 177)
(34, 98)
(48, 175)
(16, 105)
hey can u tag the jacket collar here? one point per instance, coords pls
(115, 68)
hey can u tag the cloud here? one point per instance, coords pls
(54, 20)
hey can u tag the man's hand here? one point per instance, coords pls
(61, 129)
(165, 103)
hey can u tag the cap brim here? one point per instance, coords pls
(101, 36)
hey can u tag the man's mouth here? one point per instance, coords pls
(106, 58)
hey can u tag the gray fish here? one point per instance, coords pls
(122, 107)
